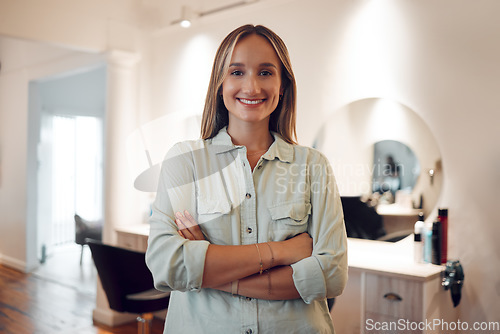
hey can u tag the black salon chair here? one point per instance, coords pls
(128, 283)
(362, 221)
(86, 229)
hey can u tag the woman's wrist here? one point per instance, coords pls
(265, 256)
(272, 255)
(276, 253)
(224, 287)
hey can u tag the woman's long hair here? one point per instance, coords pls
(215, 115)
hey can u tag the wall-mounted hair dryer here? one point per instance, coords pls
(453, 279)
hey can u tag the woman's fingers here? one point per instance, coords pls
(183, 230)
(190, 219)
(194, 227)
(188, 226)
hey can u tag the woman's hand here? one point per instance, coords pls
(188, 226)
(294, 249)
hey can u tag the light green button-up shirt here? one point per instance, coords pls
(291, 190)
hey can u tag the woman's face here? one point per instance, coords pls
(252, 87)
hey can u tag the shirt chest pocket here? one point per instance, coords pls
(288, 219)
(214, 220)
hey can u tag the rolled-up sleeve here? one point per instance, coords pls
(176, 263)
(324, 274)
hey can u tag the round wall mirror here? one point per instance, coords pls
(360, 140)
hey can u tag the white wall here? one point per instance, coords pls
(91, 25)
(13, 161)
(82, 93)
(438, 57)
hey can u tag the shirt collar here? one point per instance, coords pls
(279, 148)
(222, 142)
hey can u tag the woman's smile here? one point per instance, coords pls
(250, 102)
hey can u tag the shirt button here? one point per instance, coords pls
(248, 195)
(249, 331)
(249, 230)
(244, 164)
(260, 166)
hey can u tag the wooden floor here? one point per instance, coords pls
(50, 302)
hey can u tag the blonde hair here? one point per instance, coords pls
(215, 114)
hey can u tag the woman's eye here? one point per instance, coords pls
(266, 72)
(236, 72)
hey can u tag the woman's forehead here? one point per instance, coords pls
(255, 48)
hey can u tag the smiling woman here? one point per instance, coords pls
(247, 230)
(215, 115)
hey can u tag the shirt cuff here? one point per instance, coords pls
(309, 280)
(194, 258)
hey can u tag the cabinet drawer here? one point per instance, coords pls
(138, 243)
(142, 243)
(128, 241)
(395, 297)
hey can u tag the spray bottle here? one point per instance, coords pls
(418, 243)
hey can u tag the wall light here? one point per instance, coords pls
(185, 23)
(188, 15)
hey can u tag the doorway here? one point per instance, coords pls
(70, 177)
(69, 110)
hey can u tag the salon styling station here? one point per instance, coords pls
(386, 287)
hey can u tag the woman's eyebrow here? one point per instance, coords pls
(268, 65)
(243, 65)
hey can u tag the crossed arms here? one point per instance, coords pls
(244, 265)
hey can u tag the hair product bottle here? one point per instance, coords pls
(418, 243)
(443, 217)
(427, 237)
(436, 242)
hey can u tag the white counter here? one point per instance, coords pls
(389, 257)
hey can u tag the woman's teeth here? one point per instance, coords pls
(251, 101)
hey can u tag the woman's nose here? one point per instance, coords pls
(251, 85)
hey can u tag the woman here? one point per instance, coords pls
(247, 228)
